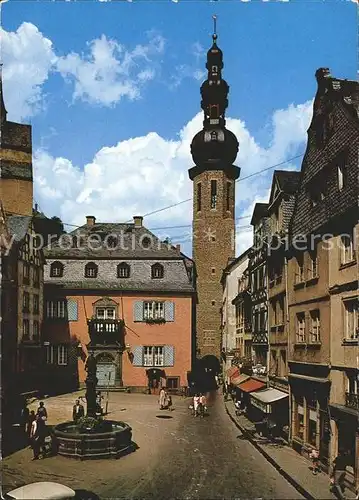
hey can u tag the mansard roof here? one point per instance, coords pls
(130, 244)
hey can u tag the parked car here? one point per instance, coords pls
(41, 491)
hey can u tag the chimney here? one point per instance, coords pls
(178, 248)
(90, 220)
(137, 220)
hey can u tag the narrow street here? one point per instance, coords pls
(178, 456)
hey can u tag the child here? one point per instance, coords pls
(169, 402)
(314, 456)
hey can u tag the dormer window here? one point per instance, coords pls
(111, 242)
(123, 270)
(157, 271)
(91, 270)
(56, 270)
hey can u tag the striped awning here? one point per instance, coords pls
(232, 371)
(239, 379)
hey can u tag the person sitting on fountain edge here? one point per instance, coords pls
(77, 411)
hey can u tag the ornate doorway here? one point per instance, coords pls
(106, 369)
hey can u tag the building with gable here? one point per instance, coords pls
(323, 279)
(117, 290)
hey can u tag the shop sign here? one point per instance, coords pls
(260, 405)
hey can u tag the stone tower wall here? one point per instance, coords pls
(213, 245)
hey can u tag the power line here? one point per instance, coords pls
(190, 199)
(238, 180)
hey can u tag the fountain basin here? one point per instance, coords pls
(113, 440)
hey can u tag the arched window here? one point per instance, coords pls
(157, 271)
(123, 270)
(56, 269)
(91, 270)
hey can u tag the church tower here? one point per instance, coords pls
(214, 150)
(16, 182)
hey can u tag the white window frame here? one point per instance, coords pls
(153, 310)
(62, 354)
(346, 251)
(108, 312)
(315, 326)
(153, 355)
(351, 319)
(300, 319)
(36, 330)
(50, 355)
(56, 309)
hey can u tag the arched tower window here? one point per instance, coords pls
(157, 271)
(213, 194)
(56, 269)
(199, 197)
(123, 270)
(91, 270)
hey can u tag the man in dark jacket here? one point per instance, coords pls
(77, 411)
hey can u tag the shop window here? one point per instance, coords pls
(312, 421)
(299, 418)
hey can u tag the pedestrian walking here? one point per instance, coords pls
(77, 411)
(203, 403)
(30, 420)
(314, 456)
(162, 398)
(196, 405)
(42, 412)
(37, 437)
(339, 471)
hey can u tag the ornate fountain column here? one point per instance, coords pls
(91, 383)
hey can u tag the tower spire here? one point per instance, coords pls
(214, 144)
(3, 111)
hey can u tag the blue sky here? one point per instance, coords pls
(271, 52)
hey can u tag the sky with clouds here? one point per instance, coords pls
(112, 92)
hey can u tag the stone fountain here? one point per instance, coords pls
(93, 437)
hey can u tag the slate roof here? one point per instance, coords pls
(18, 225)
(123, 285)
(260, 211)
(130, 239)
(288, 180)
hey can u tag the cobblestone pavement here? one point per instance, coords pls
(180, 457)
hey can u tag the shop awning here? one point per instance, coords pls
(251, 385)
(264, 399)
(269, 395)
(239, 379)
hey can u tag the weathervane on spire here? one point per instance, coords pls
(214, 17)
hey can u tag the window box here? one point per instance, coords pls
(347, 264)
(299, 285)
(300, 345)
(155, 321)
(312, 281)
(314, 344)
(353, 341)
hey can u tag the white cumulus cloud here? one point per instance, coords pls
(143, 174)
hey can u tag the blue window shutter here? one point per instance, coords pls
(169, 355)
(138, 310)
(169, 311)
(72, 313)
(137, 352)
